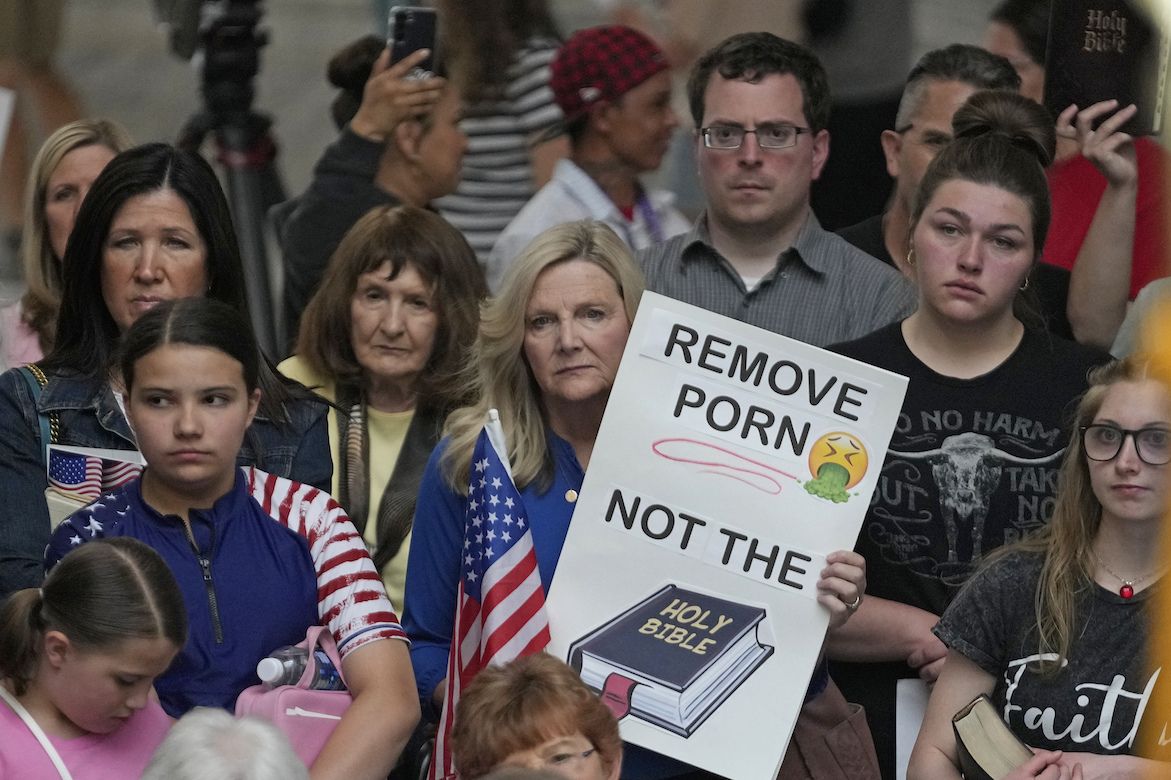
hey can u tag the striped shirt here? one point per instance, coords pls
(821, 291)
(350, 596)
(497, 176)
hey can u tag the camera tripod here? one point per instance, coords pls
(244, 148)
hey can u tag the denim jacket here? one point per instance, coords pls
(89, 417)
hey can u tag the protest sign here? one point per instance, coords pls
(729, 463)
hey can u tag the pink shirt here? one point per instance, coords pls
(19, 344)
(115, 756)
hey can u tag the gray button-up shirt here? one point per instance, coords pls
(821, 291)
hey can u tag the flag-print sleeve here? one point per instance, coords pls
(433, 572)
(75, 530)
(351, 599)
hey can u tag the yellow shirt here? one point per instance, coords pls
(387, 431)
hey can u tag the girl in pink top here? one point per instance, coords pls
(79, 656)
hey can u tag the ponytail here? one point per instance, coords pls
(100, 594)
(21, 627)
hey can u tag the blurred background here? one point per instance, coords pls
(120, 65)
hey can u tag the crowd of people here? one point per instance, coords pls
(480, 241)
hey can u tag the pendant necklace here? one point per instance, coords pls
(1127, 589)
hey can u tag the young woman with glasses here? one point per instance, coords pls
(1053, 628)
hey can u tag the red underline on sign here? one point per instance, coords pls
(717, 467)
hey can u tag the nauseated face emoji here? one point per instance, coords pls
(837, 461)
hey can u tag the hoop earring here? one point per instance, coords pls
(911, 257)
(1024, 286)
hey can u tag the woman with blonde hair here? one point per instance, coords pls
(1053, 629)
(546, 357)
(64, 168)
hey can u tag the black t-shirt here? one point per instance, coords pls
(1093, 702)
(972, 466)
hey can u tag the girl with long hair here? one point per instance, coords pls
(1053, 629)
(259, 558)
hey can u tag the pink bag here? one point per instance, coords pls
(305, 716)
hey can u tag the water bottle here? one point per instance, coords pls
(286, 665)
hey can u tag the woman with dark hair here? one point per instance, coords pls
(79, 655)
(972, 460)
(499, 54)
(535, 713)
(154, 227)
(62, 173)
(259, 558)
(401, 144)
(1054, 628)
(1108, 199)
(383, 339)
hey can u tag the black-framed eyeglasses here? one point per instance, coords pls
(767, 136)
(1102, 442)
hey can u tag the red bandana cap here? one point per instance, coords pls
(602, 63)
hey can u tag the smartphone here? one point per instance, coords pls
(411, 28)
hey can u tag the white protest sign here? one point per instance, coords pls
(729, 463)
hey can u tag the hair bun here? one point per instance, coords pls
(350, 68)
(1022, 122)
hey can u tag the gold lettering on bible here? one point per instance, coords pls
(690, 621)
(1105, 32)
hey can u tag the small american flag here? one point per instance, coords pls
(76, 474)
(116, 473)
(500, 607)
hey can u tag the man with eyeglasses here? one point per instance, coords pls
(613, 86)
(758, 254)
(939, 84)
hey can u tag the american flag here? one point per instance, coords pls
(500, 608)
(76, 474)
(116, 473)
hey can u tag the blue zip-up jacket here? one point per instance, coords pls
(257, 592)
(89, 417)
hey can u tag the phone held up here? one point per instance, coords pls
(411, 28)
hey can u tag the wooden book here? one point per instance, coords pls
(1107, 49)
(987, 748)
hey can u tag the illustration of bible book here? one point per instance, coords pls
(673, 658)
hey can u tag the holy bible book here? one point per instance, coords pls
(1107, 49)
(987, 748)
(673, 658)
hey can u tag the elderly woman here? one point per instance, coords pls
(546, 357)
(62, 173)
(155, 226)
(382, 339)
(535, 713)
